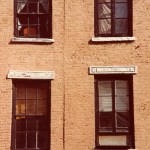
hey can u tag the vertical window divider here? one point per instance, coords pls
(113, 104)
(26, 132)
(38, 7)
(113, 17)
(97, 111)
(36, 132)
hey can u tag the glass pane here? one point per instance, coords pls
(42, 93)
(121, 10)
(31, 140)
(104, 88)
(20, 140)
(20, 93)
(122, 103)
(121, 26)
(104, 26)
(122, 98)
(122, 121)
(105, 104)
(33, 20)
(104, 10)
(105, 121)
(42, 124)
(119, 140)
(22, 20)
(105, 96)
(32, 32)
(44, 32)
(31, 107)
(32, 7)
(31, 125)
(20, 124)
(31, 93)
(43, 7)
(121, 88)
(42, 140)
(22, 30)
(42, 109)
(20, 107)
(21, 8)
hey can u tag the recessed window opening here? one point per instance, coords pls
(31, 115)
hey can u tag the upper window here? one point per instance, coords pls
(114, 112)
(33, 18)
(113, 18)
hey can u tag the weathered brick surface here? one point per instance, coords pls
(72, 90)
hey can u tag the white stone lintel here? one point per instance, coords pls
(18, 74)
(113, 39)
(32, 40)
(112, 70)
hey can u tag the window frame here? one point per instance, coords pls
(36, 117)
(128, 78)
(112, 34)
(38, 35)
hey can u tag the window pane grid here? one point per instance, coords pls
(31, 117)
(31, 104)
(32, 18)
(37, 7)
(116, 104)
(112, 18)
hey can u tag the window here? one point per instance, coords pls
(114, 112)
(31, 118)
(33, 18)
(113, 18)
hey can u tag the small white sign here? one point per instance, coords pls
(16, 74)
(113, 70)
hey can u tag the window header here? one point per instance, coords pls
(15, 74)
(112, 70)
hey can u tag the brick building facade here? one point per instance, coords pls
(60, 64)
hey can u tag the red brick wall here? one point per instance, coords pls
(72, 95)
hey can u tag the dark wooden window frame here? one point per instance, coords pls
(113, 34)
(30, 25)
(128, 78)
(32, 117)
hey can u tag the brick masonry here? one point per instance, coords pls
(70, 56)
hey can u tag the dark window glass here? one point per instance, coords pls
(114, 112)
(113, 18)
(33, 18)
(30, 115)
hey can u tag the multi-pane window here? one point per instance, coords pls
(31, 118)
(33, 18)
(113, 18)
(114, 112)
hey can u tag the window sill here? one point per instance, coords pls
(114, 149)
(113, 39)
(32, 40)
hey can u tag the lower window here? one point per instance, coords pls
(114, 112)
(31, 115)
